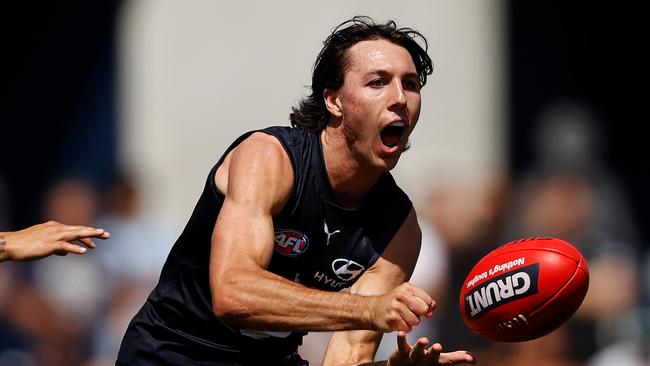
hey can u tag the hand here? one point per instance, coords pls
(419, 354)
(401, 308)
(42, 240)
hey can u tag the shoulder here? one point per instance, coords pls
(258, 167)
(261, 153)
(293, 139)
(261, 142)
(298, 143)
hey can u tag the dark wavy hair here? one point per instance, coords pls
(332, 62)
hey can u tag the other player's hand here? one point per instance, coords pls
(401, 308)
(42, 240)
(420, 355)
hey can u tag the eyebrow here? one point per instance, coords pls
(382, 72)
(412, 75)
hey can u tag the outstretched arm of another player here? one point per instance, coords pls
(42, 240)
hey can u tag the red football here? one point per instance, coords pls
(524, 289)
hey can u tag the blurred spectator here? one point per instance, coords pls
(72, 199)
(568, 190)
(632, 347)
(48, 306)
(550, 350)
(139, 247)
(139, 244)
(75, 311)
(569, 194)
(630, 333)
(29, 326)
(14, 341)
(466, 212)
(75, 288)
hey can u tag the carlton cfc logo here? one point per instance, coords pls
(290, 243)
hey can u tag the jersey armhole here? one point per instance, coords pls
(211, 176)
(287, 150)
(291, 201)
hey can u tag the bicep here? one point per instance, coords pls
(393, 268)
(259, 181)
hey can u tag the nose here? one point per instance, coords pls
(398, 96)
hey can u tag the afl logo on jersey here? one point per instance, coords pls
(290, 243)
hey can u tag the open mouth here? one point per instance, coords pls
(392, 134)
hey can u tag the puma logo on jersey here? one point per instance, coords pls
(290, 243)
(328, 233)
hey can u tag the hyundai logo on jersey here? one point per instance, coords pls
(346, 269)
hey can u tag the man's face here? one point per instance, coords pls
(379, 101)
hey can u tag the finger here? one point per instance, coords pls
(408, 319)
(78, 232)
(70, 248)
(93, 232)
(418, 351)
(427, 299)
(416, 305)
(87, 242)
(433, 353)
(432, 307)
(403, 345)
(453, 358)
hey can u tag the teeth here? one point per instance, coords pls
(398, 124)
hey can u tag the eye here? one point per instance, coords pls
(412, 84)
(376, 83)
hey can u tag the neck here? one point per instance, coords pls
(350, 178)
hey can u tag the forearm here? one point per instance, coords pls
(258, 299)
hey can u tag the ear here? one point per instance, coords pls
(333, 102)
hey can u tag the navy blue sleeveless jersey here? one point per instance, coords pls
(318, 243)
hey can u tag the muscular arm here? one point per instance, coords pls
(393, 268)
(257, 180)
